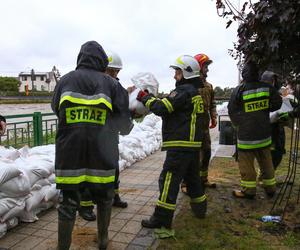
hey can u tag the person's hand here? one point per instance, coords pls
(141, 94)
(283, 117)
(2, 127)
(213, 123)
(131, 89)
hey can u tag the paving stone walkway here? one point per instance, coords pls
(139, 187)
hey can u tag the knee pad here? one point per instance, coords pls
(199, 209)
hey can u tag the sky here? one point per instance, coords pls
(148, 35)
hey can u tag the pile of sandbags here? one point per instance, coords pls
(26, 184)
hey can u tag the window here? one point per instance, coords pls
(42, 78)
(24, 78)
(43, 87)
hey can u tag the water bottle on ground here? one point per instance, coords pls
(271, 218)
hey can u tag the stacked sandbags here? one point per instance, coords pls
(144, 139)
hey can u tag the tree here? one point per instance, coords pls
(9, 84)
(218, 92)
(269, 34)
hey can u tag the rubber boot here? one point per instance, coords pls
(118, 202)
(103, 220)
(65, 228)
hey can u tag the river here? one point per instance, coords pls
(17, 109)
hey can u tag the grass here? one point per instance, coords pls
(233, 223)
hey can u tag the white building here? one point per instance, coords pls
(38, 81)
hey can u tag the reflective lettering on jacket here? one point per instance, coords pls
(85, 114)
(257, 105)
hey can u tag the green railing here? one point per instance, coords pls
(29, 129)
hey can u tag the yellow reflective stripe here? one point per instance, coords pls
(116, 191)
(248, 184)
(85, 101)
(253, 146)
(166, 186)
(203, 173)
(86, 203)
(199, 199)
(168, 105)
(179, 61)
(182, 144)
(148, 103)
(82, 178)
(255, 95)
(166, 205)
(269, 182)
(198, 108)
(85, 114)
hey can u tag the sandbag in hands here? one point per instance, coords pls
(136, 107)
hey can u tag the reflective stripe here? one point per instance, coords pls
(84, 178)
(190, 144)
(168, 105)
(85, 114)
(148, 103)
(203, 173)
(256, 105)
(84, 171)
(116, 191)
(166, 205)
(199, 199)
(248, 94)
(79, 98)
(86, 203)
(254, 144)
(248, 184)
(166, 186)
(255, 95)
(198, 108)
(269, 182)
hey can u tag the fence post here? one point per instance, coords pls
(37, 129)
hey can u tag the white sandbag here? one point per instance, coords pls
(35, 198)
(14, 212)
(3, 229)
(8, 171)
(51, 178)
(7, 204)
(146, 80)
(285, 107)
(16, 187)
(10, 153)
(28, 216)
(136, 106)
(51, 193)
(12, 222)
(43, 182)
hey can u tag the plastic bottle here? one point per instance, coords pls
(268, 218)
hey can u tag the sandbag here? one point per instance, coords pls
(146, 80)
(51, 193)
(16, 187)
(8, 171)
(136, 106)
(14, 212)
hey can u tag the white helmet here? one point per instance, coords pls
(189, 66)
(114, 61)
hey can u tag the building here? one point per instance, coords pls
(38, 81)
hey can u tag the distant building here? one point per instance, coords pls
(38, 81)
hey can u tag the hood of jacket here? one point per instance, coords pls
(250, 72)
(92, 56)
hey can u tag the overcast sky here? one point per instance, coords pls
(147, 34)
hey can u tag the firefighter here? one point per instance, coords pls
(86, 204)
(249, 108)
(181, 113)
(207, 93)
(92, 108)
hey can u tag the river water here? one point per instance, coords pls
(18, 109)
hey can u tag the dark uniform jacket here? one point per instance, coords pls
(92, 108)
(181, 114)
(249, 108)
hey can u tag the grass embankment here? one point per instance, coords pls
(233, 223)
(20, 101)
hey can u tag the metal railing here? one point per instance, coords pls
(29, 129)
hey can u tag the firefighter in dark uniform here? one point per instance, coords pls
(86, 204)
(92, 109)
(249, 108)
(181, 114)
